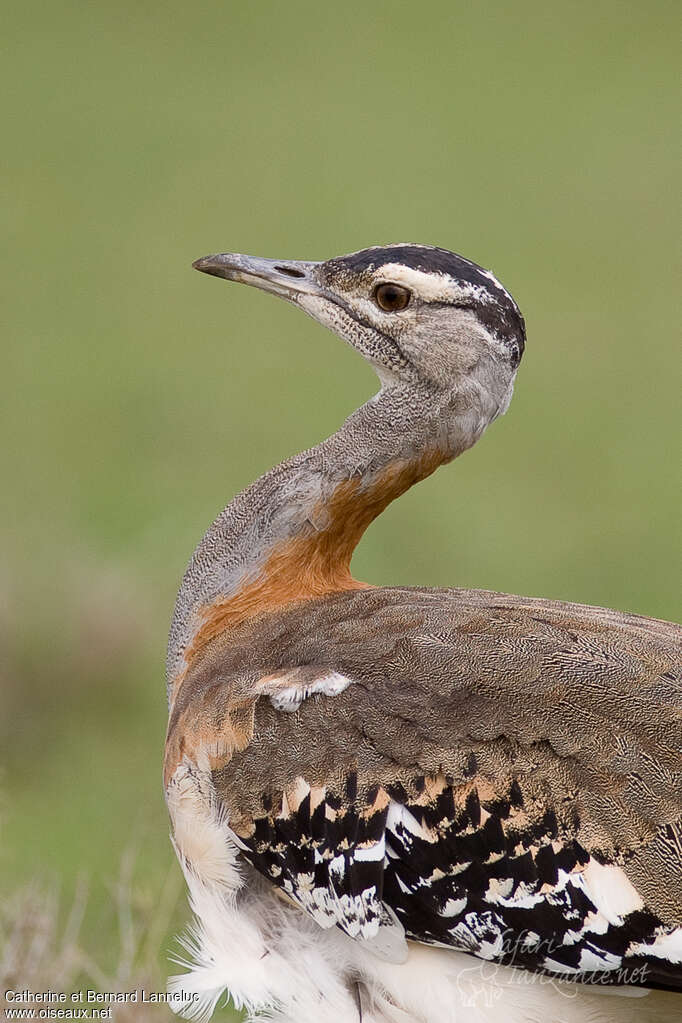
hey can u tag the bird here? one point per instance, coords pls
(408, 804)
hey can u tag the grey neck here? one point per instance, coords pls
(397, 426)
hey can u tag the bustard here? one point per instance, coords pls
(424, 776)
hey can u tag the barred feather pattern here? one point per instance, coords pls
(471, 879)
(279, 964)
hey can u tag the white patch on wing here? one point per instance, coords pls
(594, 959)
(594, 923)
(289, 698)
(453, 907)
(337, 865)
(666, 945)
(404, 824)
(374, 852)
(523, 899)
(359, 914)
(551, 964)
(611, 892)
(295, 796)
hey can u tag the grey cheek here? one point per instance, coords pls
(368, 342)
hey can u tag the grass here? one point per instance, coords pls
(43, 947)
(139, 397)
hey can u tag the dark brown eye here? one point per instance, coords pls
(391, 297)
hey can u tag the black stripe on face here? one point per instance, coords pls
(497, 312)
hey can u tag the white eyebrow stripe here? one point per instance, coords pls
(435, 286)
(432, 287)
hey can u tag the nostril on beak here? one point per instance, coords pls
(290, 271)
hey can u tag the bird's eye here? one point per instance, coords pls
(392, 297)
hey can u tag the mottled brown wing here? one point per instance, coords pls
(499, 752)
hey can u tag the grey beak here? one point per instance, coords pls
(286, 278)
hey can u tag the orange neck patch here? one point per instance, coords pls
(316, 563)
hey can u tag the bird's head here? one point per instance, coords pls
(420, 315)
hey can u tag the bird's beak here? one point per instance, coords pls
(289, 278)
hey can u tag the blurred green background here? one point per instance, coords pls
(138, 396)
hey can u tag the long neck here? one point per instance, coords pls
(291, 534)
